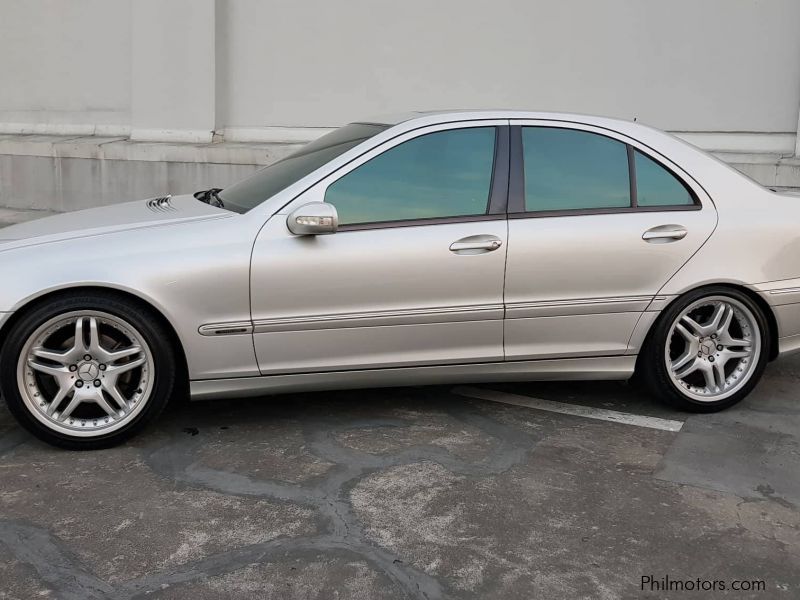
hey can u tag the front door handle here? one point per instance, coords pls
(476, 244)
(665, 233)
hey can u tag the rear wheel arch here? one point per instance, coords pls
(759, 301)
(704, 385)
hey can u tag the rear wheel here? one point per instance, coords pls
(87, 371)
(708, 350)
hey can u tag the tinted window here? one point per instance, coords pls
(655, 186)
(569, 169)
(267, 182)
(442, 174)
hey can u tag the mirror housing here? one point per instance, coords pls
(314, 218)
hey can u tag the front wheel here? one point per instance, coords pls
(708, 350)
(87, 371)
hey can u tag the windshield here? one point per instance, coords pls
(270, 180)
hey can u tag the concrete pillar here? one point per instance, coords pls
(173, 70)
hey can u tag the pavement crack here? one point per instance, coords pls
(52, 561)
(768, 493)
(339, 532)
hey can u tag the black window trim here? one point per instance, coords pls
(418, 222)
(498, 189)
(516, 186)
(634, 190)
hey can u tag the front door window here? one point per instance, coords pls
(436, 175)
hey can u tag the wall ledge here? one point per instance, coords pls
(780, 168)
(188, 136)
(783, 143)
(122, 148)
(63, 173)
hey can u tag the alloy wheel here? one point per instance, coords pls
(85, 373)
(712, 349)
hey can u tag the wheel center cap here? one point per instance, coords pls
(88, 371)
(707, 348)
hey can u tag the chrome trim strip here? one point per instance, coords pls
(444, 314)
(217, 329)
(781, 296)
(579, 301)
(381, 318)
(577, 306)
(594, 368)
(659, 303)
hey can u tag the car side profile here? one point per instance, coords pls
(429, 248)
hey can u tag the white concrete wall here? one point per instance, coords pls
(65, 63)
(174, 61)
(181, 70)
(685, 65)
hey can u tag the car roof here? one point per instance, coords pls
(412, 120)
(444, 116)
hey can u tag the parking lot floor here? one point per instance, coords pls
(417, 492)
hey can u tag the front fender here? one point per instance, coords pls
(193, 273)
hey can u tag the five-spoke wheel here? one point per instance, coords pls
(707, 350)
(714, 345)
(87, 371)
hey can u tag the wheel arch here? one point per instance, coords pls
(769, 314)
(31, 303)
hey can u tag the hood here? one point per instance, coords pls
(108, 219)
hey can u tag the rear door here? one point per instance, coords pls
(597, 225)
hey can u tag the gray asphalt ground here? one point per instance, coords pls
(413, 492)
(416, 492)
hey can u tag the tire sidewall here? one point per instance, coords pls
(139, 318)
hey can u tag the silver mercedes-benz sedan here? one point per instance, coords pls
(430, 248)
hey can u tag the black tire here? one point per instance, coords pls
(652, 370)
(147, 324)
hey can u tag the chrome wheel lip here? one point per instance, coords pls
(745, 367)
(83, 428)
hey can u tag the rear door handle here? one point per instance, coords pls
(476, 244)
(665, 233)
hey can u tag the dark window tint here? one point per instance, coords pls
(568, 169)
(267, 182)
(442, 174)
(655, 186)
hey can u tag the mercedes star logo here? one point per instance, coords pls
(88, 371)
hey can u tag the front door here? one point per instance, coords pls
(414, 276)
(597, 225)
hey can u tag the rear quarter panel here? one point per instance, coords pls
(757, 240)
(756, 245)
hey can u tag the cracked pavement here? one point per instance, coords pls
(410, 493)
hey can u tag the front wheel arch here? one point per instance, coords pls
(181, 378)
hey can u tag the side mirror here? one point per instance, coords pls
(314, 218)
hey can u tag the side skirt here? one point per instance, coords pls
(598, 367)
